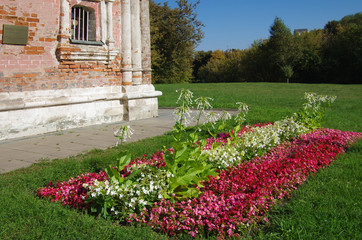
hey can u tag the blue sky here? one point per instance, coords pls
(237, 23)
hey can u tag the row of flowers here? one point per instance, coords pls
(254, 141)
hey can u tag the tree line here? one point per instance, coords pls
(329, 55)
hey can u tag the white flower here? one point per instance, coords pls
(185, 96)
(123, 133)
(225, 116)
(211, 117)
(203, 103)
(243, 107)
(145, 191)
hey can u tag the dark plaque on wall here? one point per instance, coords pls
(13, 34)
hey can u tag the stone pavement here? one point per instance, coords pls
(23, 152)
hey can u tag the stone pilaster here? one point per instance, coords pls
(146, 42)
(136, 43)
(64, 29)
(103, 22)
(110, 39)
(126, 43)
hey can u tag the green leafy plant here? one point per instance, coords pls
(187, 168)
(113, 173)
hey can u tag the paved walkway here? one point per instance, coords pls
(23, 152)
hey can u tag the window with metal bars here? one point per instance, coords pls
(83, 24)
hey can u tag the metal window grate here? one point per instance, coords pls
(80, 23)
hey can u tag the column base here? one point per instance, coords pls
(141, 102)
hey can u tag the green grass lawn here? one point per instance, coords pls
(273, 101)
(327, 206)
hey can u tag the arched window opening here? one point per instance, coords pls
(83, 24)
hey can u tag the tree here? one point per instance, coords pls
(283, 50)
(174, 35)
(223, 66)
(343, 56)
(342, 51)
(308, 67)
(214, 70)
(257, 65)
(201, 58)
(353, 19)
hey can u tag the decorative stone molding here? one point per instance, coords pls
(51, 98)
(88, 53)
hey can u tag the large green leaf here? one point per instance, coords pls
(124, 161)
(182, 154)
(114, 174)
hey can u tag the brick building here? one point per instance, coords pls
(73, 63)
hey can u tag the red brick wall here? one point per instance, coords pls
(36, 66)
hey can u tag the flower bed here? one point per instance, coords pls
(241, 196)
(74, 192)
(222, 186)
(228, 204)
